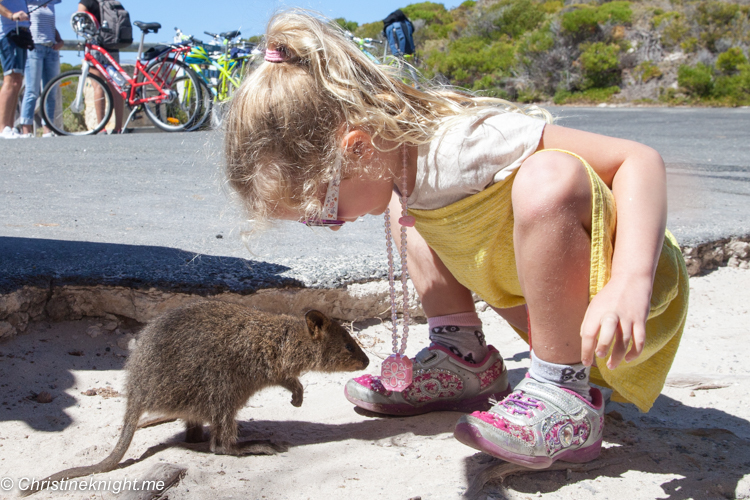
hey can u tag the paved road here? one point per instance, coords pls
(150, 209)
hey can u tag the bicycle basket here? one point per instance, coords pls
(84, 24)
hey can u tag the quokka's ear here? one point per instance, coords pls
(316, 323)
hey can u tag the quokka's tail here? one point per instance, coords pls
(126, 436)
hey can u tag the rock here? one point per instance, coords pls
(6, 329)
(94, 331)
(127, 342)
(43, 397)
(739, 249)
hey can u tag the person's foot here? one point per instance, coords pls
(442, 381)
(49, 134)
(25, 136)
(537, 425)
(9, 133)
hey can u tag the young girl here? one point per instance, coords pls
(509, 206)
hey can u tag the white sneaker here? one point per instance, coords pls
(25, 136)
(9, 133)
(49, 134)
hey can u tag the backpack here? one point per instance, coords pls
(398, 29)
(120, 32)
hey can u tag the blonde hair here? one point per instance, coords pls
(283, 123)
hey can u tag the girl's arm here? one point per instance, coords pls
(637, 177)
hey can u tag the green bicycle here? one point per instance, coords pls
(220, 66)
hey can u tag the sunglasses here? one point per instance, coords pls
(329, 215)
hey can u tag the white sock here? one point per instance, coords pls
(571, 377)
(461, 333)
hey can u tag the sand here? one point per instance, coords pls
(695, 443)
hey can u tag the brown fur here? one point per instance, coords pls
(202, 362)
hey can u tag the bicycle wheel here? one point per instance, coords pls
(207, 102)
(182, 106)
(77, 107)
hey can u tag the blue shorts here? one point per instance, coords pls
(12, 57)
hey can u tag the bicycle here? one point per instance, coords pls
(161, 84)
(221, 66)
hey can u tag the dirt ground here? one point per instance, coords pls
(694, 443)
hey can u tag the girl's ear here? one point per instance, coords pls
(357, 145)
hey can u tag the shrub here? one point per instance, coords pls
(347, 25)
(600, 64)
(585, 19)
(689, 44)
(369, 30)
(552, 6)
(734, 90)
(696, 80)
(439, 22)
(715, 20)
(674, 29)
(518, 16)
(729, 62)
(590, 96)
(467, 59)
(646, 70)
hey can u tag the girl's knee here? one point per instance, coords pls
(548, 182)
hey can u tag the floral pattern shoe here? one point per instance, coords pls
(442, 381)
(536, 425)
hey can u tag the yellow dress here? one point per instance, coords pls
(474, 238)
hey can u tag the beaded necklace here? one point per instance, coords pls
(396, 372)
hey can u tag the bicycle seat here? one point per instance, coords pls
(148, 27)
(230, 34)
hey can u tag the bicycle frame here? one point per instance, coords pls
(223, 64)
(132, 85)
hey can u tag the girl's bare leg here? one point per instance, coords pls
(552, 209)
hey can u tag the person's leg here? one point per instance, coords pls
(552, 220)
(9, 98)
(458, 371)
(13, 61)
(32, 75)
(51, 68)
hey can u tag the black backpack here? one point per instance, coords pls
(119, 32)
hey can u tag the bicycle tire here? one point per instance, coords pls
(207, 102)
(68, 120)
(181, 110)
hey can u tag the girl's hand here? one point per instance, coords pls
(616, 316)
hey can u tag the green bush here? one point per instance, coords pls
(369, 30)
(518, 16)
(470, 58)
(729, 62)
(734, 90)
(715, 20)
(552, 6)
(537, 41)
(696, 80)
(646, 71)
(439, 22)
(585, 19)
(600, 64)
(590, 96)
(347, 25)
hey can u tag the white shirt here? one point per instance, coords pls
(470, 153)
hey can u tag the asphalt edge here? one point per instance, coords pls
(116, 304)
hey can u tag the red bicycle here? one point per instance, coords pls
(161, 84)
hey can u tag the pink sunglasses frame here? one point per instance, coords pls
(329, 216)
